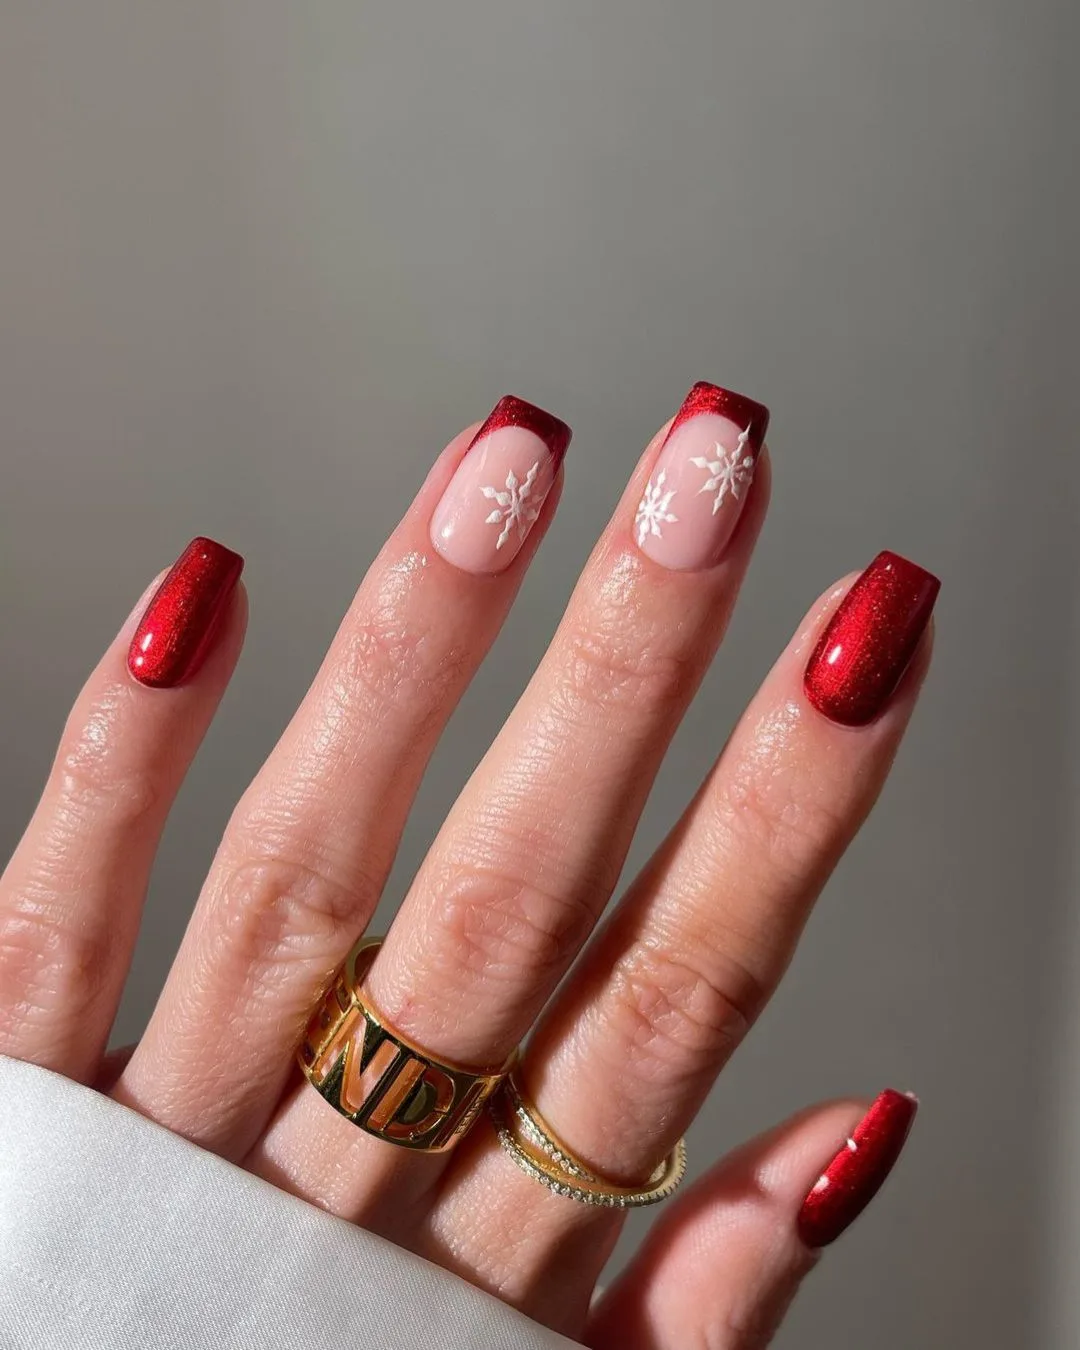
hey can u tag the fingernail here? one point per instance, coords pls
(701, 478)
(864, 651)
(857, 1172)
(498, 489)
(177, 629)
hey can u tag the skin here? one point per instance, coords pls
(506, 899)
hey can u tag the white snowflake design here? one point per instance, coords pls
(516, 506)
(730, 471)
(654, 509)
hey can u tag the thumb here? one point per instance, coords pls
(722, 1266)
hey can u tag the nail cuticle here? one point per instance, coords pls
(178, 626)
(867, 645)
(701, 479)
(858, 1170)
(498, 490)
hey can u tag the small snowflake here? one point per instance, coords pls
(515, 506)
(654, 509)
(730, 471)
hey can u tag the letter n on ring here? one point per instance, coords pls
(363, 1071)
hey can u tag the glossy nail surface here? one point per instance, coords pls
(498, 489)
(177, 629)
(866, 648)
(701, 478)
(857, 1172)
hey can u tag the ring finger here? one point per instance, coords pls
(624, 1057)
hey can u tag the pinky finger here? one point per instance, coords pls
(71, 897)
(723, 1265)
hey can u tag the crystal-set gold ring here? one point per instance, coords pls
(532, 1144)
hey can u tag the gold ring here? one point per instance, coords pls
(537, 1150)
(378, 1078)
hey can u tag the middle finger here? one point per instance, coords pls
(530, 853)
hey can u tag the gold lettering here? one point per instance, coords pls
(359, 1081)
(358, 1086)
(331, 1050)
(426, 1109)
(396, 1092)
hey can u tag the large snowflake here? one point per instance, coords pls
(730, 471)
(515, 506)
(654, 509)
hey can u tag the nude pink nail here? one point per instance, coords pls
(701, 478)
(498, 490)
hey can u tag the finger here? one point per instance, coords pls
(696, 948)
(531, 850)
(112, 1066)
(71, 897)
(723, 1264)
(627, 1052)
(307, 852)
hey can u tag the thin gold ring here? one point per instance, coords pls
(535, 1147)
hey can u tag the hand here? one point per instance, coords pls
(622, 1057)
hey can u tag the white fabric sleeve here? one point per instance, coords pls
(115, 1233)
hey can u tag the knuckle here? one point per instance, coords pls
(678, 1015)
(275, 911)
(49, 965)
(498, 926)
(389, 664)
(610, 667)
(788, 822)
(94, 774)
(751, 1324)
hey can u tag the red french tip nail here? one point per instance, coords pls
(178, 626)
(516, 412)
(864, 651)
(737, 408)
(857, 1172)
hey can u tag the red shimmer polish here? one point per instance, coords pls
(864, 651)
(515, 412)
(177, 629)
(737, 408)
(857, 1172)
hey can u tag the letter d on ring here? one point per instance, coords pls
(381, 1081)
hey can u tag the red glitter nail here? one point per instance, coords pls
(515, 412)
(866, 648)
(857, 1172)
(177, 630)
(737, 408)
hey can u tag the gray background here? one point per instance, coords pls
(259, 260)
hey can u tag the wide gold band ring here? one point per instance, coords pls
(380, 1080)
(534, 1146)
